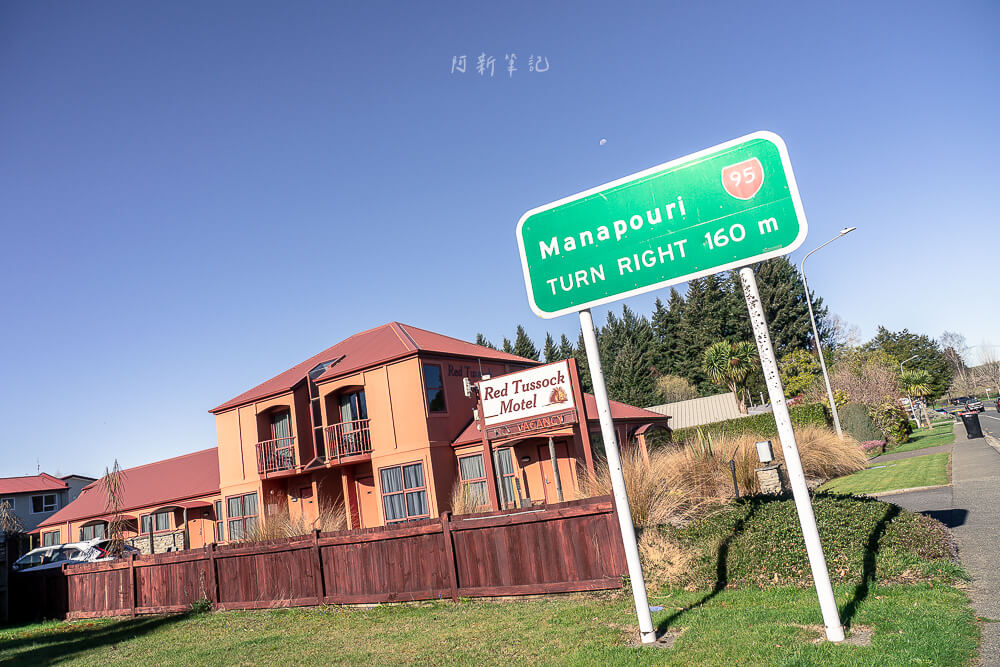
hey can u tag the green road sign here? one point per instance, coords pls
(718, 209)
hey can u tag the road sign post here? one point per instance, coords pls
(647, 633)
(722, 208)
(793, 464)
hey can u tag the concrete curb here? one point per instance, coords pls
(914, 488)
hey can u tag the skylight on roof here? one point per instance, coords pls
(322, 367)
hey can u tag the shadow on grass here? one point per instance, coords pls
(863, 588)
(722, 559)
(55, 646)
(950, 518)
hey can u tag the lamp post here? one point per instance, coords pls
(812, 318)
(913, 410)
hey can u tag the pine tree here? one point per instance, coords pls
(628, 377)
(524, 346)
(666, 322)
(565, 347)
(481, 340)
(550, 352)
(583, 368)
(784, 301)
(507, 347)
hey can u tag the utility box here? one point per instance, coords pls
(972, 426)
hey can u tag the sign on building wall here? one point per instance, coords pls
(721, 208)
(529, 400)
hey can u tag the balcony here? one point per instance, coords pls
(348, 439)
(276, 455)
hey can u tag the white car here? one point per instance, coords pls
(46, 558)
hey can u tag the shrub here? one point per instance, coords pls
(870, 447)
(673, 388)
(892, 421)
(201, 606)
(757, 541)
(760, 425)
(855, 420)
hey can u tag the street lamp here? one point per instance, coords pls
(812, 318)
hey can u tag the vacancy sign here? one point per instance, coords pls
(721, 208)
(534, 393)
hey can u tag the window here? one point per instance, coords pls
(92, 532)
(404, 494)
(434, 384)
(473, 475)
(46, 503)
(353, 406)
(220, 534)
(50, 539)
(242, 512)
(158, 522)
(281, 425)
(503, 462)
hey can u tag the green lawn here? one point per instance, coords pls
(928, 470)
(915, 624)
(942, 433)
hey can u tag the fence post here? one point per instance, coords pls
(449, 554)
(213, 577)
(131, 580)
(318, 565)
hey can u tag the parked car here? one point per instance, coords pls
(975, 406)
(45, 558)
(998, 403)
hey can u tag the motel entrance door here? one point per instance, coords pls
(548, 476)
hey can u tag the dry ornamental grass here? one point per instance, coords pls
(679, 482)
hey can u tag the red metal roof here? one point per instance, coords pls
(42, 482)
(365, 350)
(619, 412)
(147, 486)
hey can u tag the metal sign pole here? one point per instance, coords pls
(646, 631)
(814, 549)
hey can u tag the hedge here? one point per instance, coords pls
(760, 425)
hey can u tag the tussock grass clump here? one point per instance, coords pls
(279, 525)
(678, 483)
(660, 490)
(464, 502)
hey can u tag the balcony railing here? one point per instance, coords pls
(276, 455)
(348, 439)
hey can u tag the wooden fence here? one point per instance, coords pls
(574, 546)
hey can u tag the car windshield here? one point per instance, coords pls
(70, 553)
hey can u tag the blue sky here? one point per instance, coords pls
(196, 196)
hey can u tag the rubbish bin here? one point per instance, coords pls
(972, 426)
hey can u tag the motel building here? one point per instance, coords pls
(382, 427)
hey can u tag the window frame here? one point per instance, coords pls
(93, 531)
(220, 522)
(43, 496)
(241, 518)
(48, 534)
(477, 480)
(427, 389)
(149, 523)
(509, 503)
(403, 492)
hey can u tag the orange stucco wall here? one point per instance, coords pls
(402, 430)
(201, 523)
